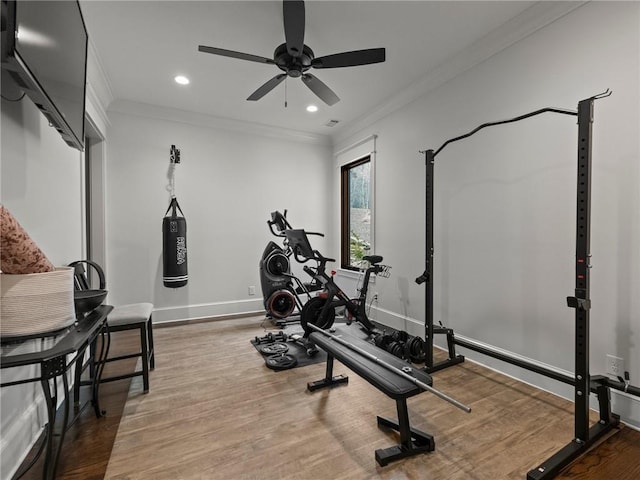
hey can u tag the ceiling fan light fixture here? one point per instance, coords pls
(181, 80)
(294, 58)
(312, 108)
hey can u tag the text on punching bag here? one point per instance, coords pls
(181, 250)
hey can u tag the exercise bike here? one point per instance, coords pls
(321, 310)
(283, 293)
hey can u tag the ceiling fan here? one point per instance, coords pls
(294, 58)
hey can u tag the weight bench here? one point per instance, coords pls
(412, 441)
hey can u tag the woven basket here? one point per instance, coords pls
(36, 303)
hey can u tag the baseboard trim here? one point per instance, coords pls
(188, 313)
(397, 321)
(216, 318)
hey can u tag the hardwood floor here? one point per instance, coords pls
(618, 457)
(215, 411)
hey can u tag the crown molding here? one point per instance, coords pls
(521, 26)
(202, 120)
(101, 101)
(99, 85)
(95, 112)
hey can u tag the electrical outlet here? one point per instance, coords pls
(252, 290)
(615, 366)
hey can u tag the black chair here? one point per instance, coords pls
(123, 317)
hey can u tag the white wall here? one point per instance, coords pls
(42, 187)
(505, 198)
(227, 184)
(42, 181)
(504, 212)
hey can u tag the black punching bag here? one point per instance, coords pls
(174, 247)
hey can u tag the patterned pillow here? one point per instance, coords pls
(18, 252)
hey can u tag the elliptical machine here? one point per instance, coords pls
(283, 293)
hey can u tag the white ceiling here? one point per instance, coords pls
(142, 45)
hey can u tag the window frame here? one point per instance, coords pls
(345, 223)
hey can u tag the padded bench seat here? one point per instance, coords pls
(392, 384)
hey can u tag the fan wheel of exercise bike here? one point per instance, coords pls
(281, 304)
(312, 314)
(277, 263)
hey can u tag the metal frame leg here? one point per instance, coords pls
(329, 380)
(152, 356)
(52, 439)
(412, 441)
(99, 364)
(144, 336)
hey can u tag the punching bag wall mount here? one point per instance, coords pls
(174, 235)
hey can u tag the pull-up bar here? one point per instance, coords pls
(517, 119)
(583, 383)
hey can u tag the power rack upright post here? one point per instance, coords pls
(583, 383)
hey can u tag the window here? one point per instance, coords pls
(356, 212)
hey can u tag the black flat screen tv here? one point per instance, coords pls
(45, 51)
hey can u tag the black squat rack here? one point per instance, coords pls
(584, 384)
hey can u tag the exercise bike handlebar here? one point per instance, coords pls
(273, 232)
(280, 221)
(313, 273)
(317, 256)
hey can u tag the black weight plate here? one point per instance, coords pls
(281, 361)
(390, 346)
(400, 336)
(416, 345)
(272, 348)
(416, 350)
(385, 341)
(398, 349)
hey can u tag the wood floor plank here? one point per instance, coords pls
(618, 457)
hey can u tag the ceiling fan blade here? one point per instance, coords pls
(320, 89)
(350, 59)
(293, 16)
(267, 87)
(232, 54)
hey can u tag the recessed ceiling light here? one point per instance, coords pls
(182, 80)
(312, 108)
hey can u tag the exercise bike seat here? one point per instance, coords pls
(372, 259)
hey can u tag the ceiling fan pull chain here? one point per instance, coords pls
(285, 92)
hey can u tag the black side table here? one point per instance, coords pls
(55, 354)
